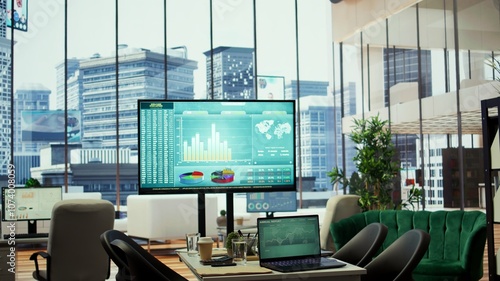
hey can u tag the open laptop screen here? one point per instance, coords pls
(288, 237)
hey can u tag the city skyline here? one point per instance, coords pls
(44, 41)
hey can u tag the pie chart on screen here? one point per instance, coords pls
(194, 177)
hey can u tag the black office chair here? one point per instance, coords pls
(398, 261)
(134, 262)
(361, 249)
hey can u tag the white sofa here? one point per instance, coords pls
(168, 217)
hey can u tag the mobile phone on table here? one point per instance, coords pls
(228, 263)
(222, 259)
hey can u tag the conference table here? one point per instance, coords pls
(252, 271)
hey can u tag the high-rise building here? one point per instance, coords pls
(349, 107)
(233, 69)
(307, 88)
(74, 99)
(91, 87)
(3, 25)
(28, 97)
(317, 139)
(406, 63)
(404, 68)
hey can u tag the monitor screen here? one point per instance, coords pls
(270, 202)
(29, 204)
(191, 146)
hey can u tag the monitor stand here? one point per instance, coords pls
(269, 215)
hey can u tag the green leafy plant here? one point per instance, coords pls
(229, 239)
(374, 160)
(414, 199)
(32, 182)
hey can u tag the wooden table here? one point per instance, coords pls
(347, 273)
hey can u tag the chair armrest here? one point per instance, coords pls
(45, 255)
(472, 254)
(345, 229)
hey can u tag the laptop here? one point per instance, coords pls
(289, 244)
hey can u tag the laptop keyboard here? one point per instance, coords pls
(307, 261)
(302, 264)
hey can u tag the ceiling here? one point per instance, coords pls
(439, 113)
(445, 124)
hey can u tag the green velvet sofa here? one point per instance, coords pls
(457, 242)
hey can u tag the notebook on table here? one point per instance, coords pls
(289, 244)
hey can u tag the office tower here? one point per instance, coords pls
(307, 88)
(318, 140)
(3, 10)
(74, 85)
(406, 63)
(403, 68)
(349, 107)
(91, 88)
(233, 77)
(28, 97)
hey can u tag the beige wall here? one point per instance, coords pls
(478, 22)
(349, 16)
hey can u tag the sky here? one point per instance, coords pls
(92, 30)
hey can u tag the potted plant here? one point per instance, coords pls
(222, 219)
(229, 243)
(374, 160)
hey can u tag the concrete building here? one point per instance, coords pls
(28, 97)
(233, 73)
(91, 87)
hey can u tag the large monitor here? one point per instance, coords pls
(29, 204)
(198, 146)
(271, 202)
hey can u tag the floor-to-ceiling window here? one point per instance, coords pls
(422, 65)
(89, 62)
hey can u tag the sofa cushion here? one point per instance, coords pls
(441, 267)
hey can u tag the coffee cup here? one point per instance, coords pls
(205, 245)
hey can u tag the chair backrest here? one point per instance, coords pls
(124, 261)
(398, 261)
(337, 207)
(74, 247)
(118, 257)
(361, 249)
(141, 269)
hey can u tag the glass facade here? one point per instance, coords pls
(423, 65)
(411, 62)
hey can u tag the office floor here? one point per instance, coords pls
(163, 252)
